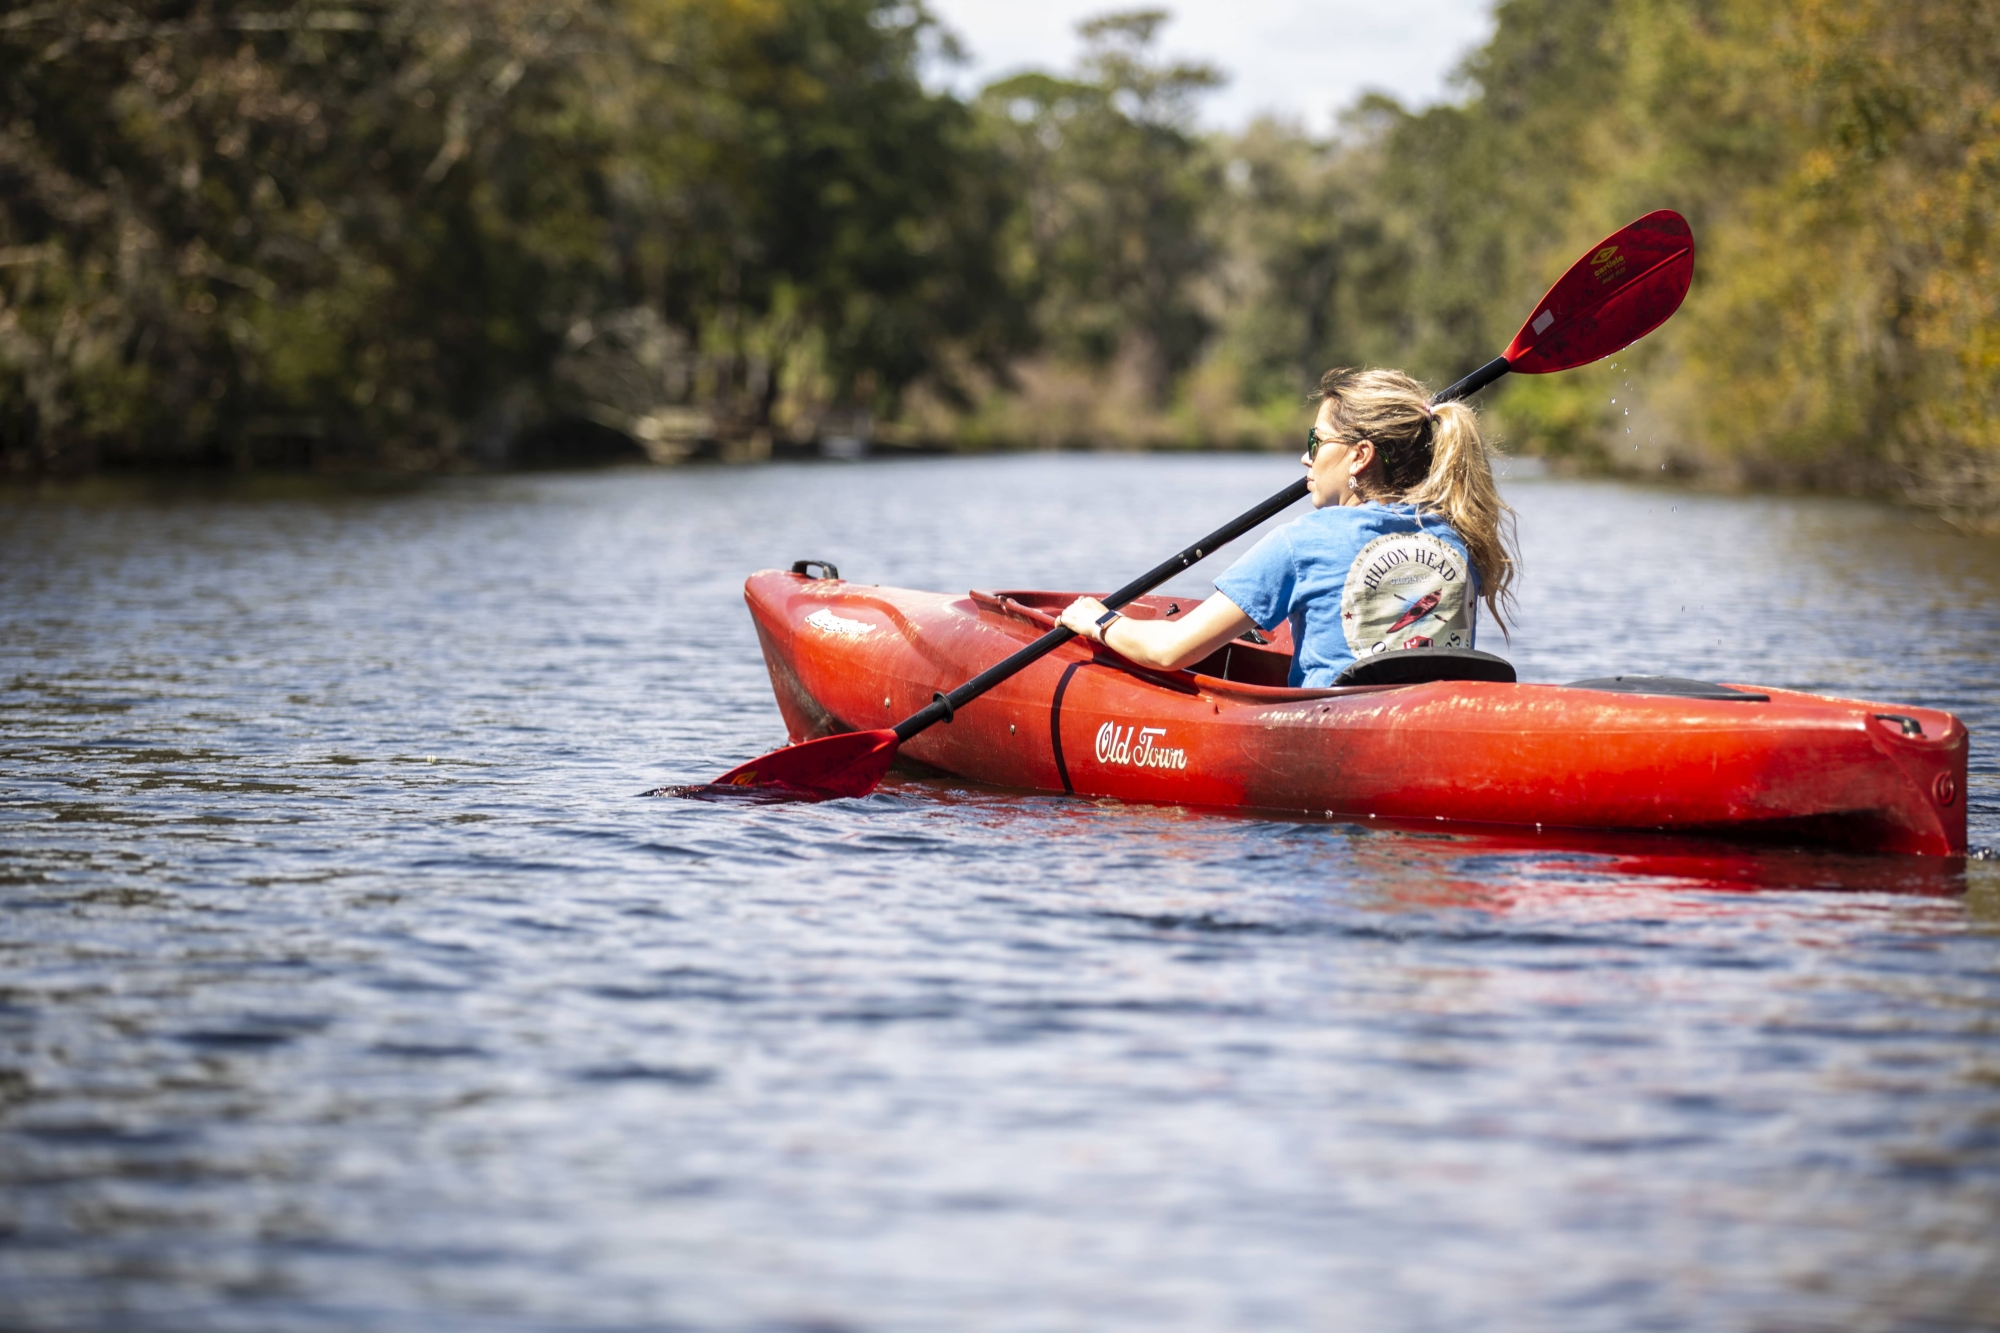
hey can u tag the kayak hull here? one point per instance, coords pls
(846, 657)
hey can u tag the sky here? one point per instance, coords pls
(1305, 59)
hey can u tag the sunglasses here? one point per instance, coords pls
(1314, 440)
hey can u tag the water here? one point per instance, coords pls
(344, 983)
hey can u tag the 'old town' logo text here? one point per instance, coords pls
(1139, 747)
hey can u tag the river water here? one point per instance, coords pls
(346, 983)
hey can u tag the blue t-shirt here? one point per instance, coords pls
(1355, 580)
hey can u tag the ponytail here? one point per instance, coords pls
(1460, 486)
(1433, 456)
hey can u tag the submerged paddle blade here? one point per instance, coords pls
(1627, 286)
(849, 764)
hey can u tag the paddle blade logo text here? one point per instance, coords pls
(1608, 265)
(1137, 747)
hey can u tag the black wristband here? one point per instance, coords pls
(1104, 623)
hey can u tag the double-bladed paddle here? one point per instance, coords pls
(1624, 288)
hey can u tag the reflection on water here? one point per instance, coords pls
(345, 982)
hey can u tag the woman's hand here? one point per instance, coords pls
(1082, 616)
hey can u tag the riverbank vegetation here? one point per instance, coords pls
(440, 233)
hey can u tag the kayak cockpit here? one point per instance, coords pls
(1265, 660)
(1254, 658)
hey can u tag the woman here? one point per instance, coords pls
(1408, 533)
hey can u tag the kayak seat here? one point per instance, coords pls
(1420, 666)
(1248, 661)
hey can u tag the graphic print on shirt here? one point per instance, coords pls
(1408, 590)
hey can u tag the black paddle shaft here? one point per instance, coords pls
(1474, 382)
(942, 706)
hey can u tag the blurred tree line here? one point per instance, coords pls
(409, 231)
(427, 233)
(1840, 163)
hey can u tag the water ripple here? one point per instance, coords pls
(346, 982)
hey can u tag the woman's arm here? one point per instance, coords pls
(1166, 645)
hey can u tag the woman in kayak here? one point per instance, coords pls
(1408, 533)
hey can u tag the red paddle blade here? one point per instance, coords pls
(1626, 287)
(849, 764)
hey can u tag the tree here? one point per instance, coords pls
(1114, 231)
(370, 231)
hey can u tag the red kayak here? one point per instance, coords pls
(1625, 753)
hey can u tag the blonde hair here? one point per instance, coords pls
(1432, 457)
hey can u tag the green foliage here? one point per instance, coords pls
(291, 224)
(403, 231)
(371, 229)
(1112, 231)
(1838, 163)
